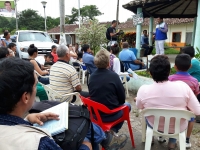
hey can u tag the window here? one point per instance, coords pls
(176, 37)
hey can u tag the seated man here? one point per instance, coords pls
(145, 44)
(166, 94)
(18, 89)
(105, 87)
(195, 69)
(88, 58)
(127, 55)
(63, 77)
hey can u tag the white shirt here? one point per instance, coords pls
(116, 65)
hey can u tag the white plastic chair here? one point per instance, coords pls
(82, 71)
(53, 95)
(40, 75)
(37, 99)
(167, 114)
(124, 74)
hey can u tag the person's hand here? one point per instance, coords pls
(46, 72)
(88, 144)
(40, 118)
(143, 64)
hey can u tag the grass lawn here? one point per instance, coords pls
(167, 51)
(147, 74)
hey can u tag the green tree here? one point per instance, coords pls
(92, 34)
(86, 12)
(30, 20)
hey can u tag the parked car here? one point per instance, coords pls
(24, 38)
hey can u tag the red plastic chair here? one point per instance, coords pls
(96, 107)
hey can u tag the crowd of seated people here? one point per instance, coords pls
(105, 67)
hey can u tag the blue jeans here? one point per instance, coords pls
(99, 136)
(44, 81)
(116, 116)
(171, 140)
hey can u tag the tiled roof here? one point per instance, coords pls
(70, 28)
(169, 21)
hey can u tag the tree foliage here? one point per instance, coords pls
(92, 34)
(28, 20)
(88, 12)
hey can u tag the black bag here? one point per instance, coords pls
(79, 123)
(108, 34)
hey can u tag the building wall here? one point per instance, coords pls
(182, 28)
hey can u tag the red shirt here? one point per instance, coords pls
(55, 57)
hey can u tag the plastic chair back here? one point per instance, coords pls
(168, 114)
(95, 117)
(55, 96)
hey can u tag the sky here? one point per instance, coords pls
(108, 7)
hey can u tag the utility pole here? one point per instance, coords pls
(117, 14)
(62, 22)
(79, 14)
(16, 15)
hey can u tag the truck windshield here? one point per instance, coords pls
(34, 36)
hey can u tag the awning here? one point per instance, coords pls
(165, 8)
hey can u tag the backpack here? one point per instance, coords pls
(108, 34)
(79, 123)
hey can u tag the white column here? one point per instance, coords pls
(138, 34)
(151, 23)
(62, 22)
(197, 32)
(194, 30)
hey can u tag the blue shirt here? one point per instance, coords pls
(88, 60)
(144, 40)
(127, 55)
(45, 142)
(161, 31)
(195, 69)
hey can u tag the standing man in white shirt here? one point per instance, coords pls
(160, 35)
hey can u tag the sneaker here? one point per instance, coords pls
(114, 141)
(188, 145)
(161, 139)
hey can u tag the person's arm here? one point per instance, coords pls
(116, 66)
(111, 32)
(75, 81)
(193, 104)
(4, 43)
(47, 143)
(40, 118)
(165, 30)
(135, 60)
(142, 40)
(72, 54)
(139, 103)
(37, 68)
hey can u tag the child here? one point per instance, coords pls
(195, 69)
(48, 59)
(182, 65)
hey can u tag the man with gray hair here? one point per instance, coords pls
(63, 77)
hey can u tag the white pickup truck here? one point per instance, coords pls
(24, 38)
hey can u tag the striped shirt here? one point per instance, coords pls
(188, 79)
(63, 78)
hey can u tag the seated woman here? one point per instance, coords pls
(33, 52)
(166, 94)
(115, 62)
(73, 54)
(105, 87)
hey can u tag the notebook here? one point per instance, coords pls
(57, 126)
